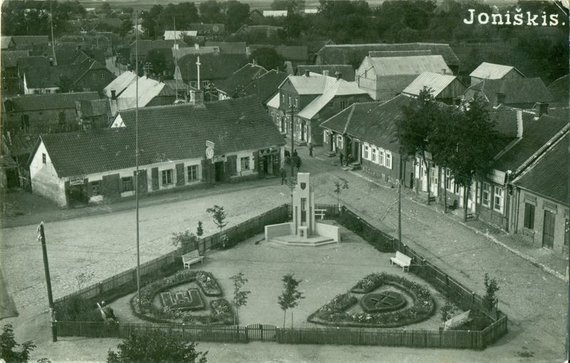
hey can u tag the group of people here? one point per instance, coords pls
(295, 159)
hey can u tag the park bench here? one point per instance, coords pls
(401, 260)
(320, 213)
(191, 258)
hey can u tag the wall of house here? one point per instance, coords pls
(94, 80)
(535, 235)
(365, 78)
(45, 181)
(383, 164)
(452, 92)
(512, 74)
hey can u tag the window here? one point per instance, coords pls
(297, 102)
(374, 155)
(326, 137)
(365, 153)
(167, 177)
(244, 163)
(192, 173)
(388, 159)
(95, 188)
(290, 104)
(44, 158)
(339, 141)
(283, 99)
(127, 184)
(529, 216)
(486, 194)
(498, 200)
(381, 157)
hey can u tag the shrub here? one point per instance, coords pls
(77, 309)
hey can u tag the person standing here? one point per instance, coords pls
(283, 176)
(341, 158)
(311, 149)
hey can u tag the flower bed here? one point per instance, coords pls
(335, 312)
(382, 302)
(208, 284)
(221, 312)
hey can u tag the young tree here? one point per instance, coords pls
(490, 299)
(186, 240)
(219, 217)
(156, 346)
(8, 344)
(476, 138)
(240, 296)
(200, 229)
(290, 296)
(339, 185)
(415, 129)
(237, 14)
(267, 57)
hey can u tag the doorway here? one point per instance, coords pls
(548, 230)
(219, 171)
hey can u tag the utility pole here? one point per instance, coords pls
(42, 238)
(292, 140)
(400, 203)
(137, 158)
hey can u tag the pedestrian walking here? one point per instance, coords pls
(294, 154)
(298, 163)
(283, 176)
(341, 158)
(311, 149)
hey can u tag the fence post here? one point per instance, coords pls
(246, 329)
(472, 299)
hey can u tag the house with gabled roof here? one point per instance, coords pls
(36, 77)
(443, 87)
(345, 71)
(228, 47)
(367, 133)
(494, 71)
(515, 92)
(180, 146)
(119, 84)
(234, 85)
(213, 68)
(353, 54)
(9, 70)
(385, 77)
(560, 90)
(33, 43)
(150, 93)
(540, 200)
(314, 98)
(179, 34)
(266, 85)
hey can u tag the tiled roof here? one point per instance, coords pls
(560, 90)
(91, 108)
(346, 70)
(372, 122)
(5, 42)
(234, 85)
(228, 47)
(346, 53)
(120, 83)
(399, 53)
(516, 91)
(10, 57)
(314, 84)
(166, 133)
(145, 46)
(213, 66)
(265, 85)
(536, 133)
(30, 41)
(434, 81)
(298, 53)
(48, 101)
(339, 87)
(492, 71)
(38, 72)
(181, 52)
(389, 66)
(549, 175)
(214, 28)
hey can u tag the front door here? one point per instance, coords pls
(219, 168)
(548, 230)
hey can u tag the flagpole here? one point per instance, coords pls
(137, 153)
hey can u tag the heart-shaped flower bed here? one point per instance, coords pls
(382, 302)
(386, 309)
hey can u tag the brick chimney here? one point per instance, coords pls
(325, 72)
(307, 73)
(113, 94)
(519, 124)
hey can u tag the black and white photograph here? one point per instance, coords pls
(284, 181)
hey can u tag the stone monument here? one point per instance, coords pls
(303, 230)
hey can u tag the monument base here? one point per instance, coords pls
(283, 234)
(292, 240)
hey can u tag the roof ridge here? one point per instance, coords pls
(352, 107)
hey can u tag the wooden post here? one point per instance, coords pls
(42, 238)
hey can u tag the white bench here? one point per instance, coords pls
(320, 213)
(401, 260)
(191, 258)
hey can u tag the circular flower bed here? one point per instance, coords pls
(336, 312)
(382, 302)
(221, 311)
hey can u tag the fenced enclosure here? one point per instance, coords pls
(464, 298)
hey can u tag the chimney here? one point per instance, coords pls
(541, 108)
(113, 94)
(500, 98)
(326, 72)
(443, 71)
(307, 73)
(338, 75)
(519, 124)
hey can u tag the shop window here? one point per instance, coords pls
(486, 197)
(498, 200)
(245, 163)
(96, 188)
(167, 177)
(192, 173)
(529, 216)
(127, 184)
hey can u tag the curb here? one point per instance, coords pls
(525, 257)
